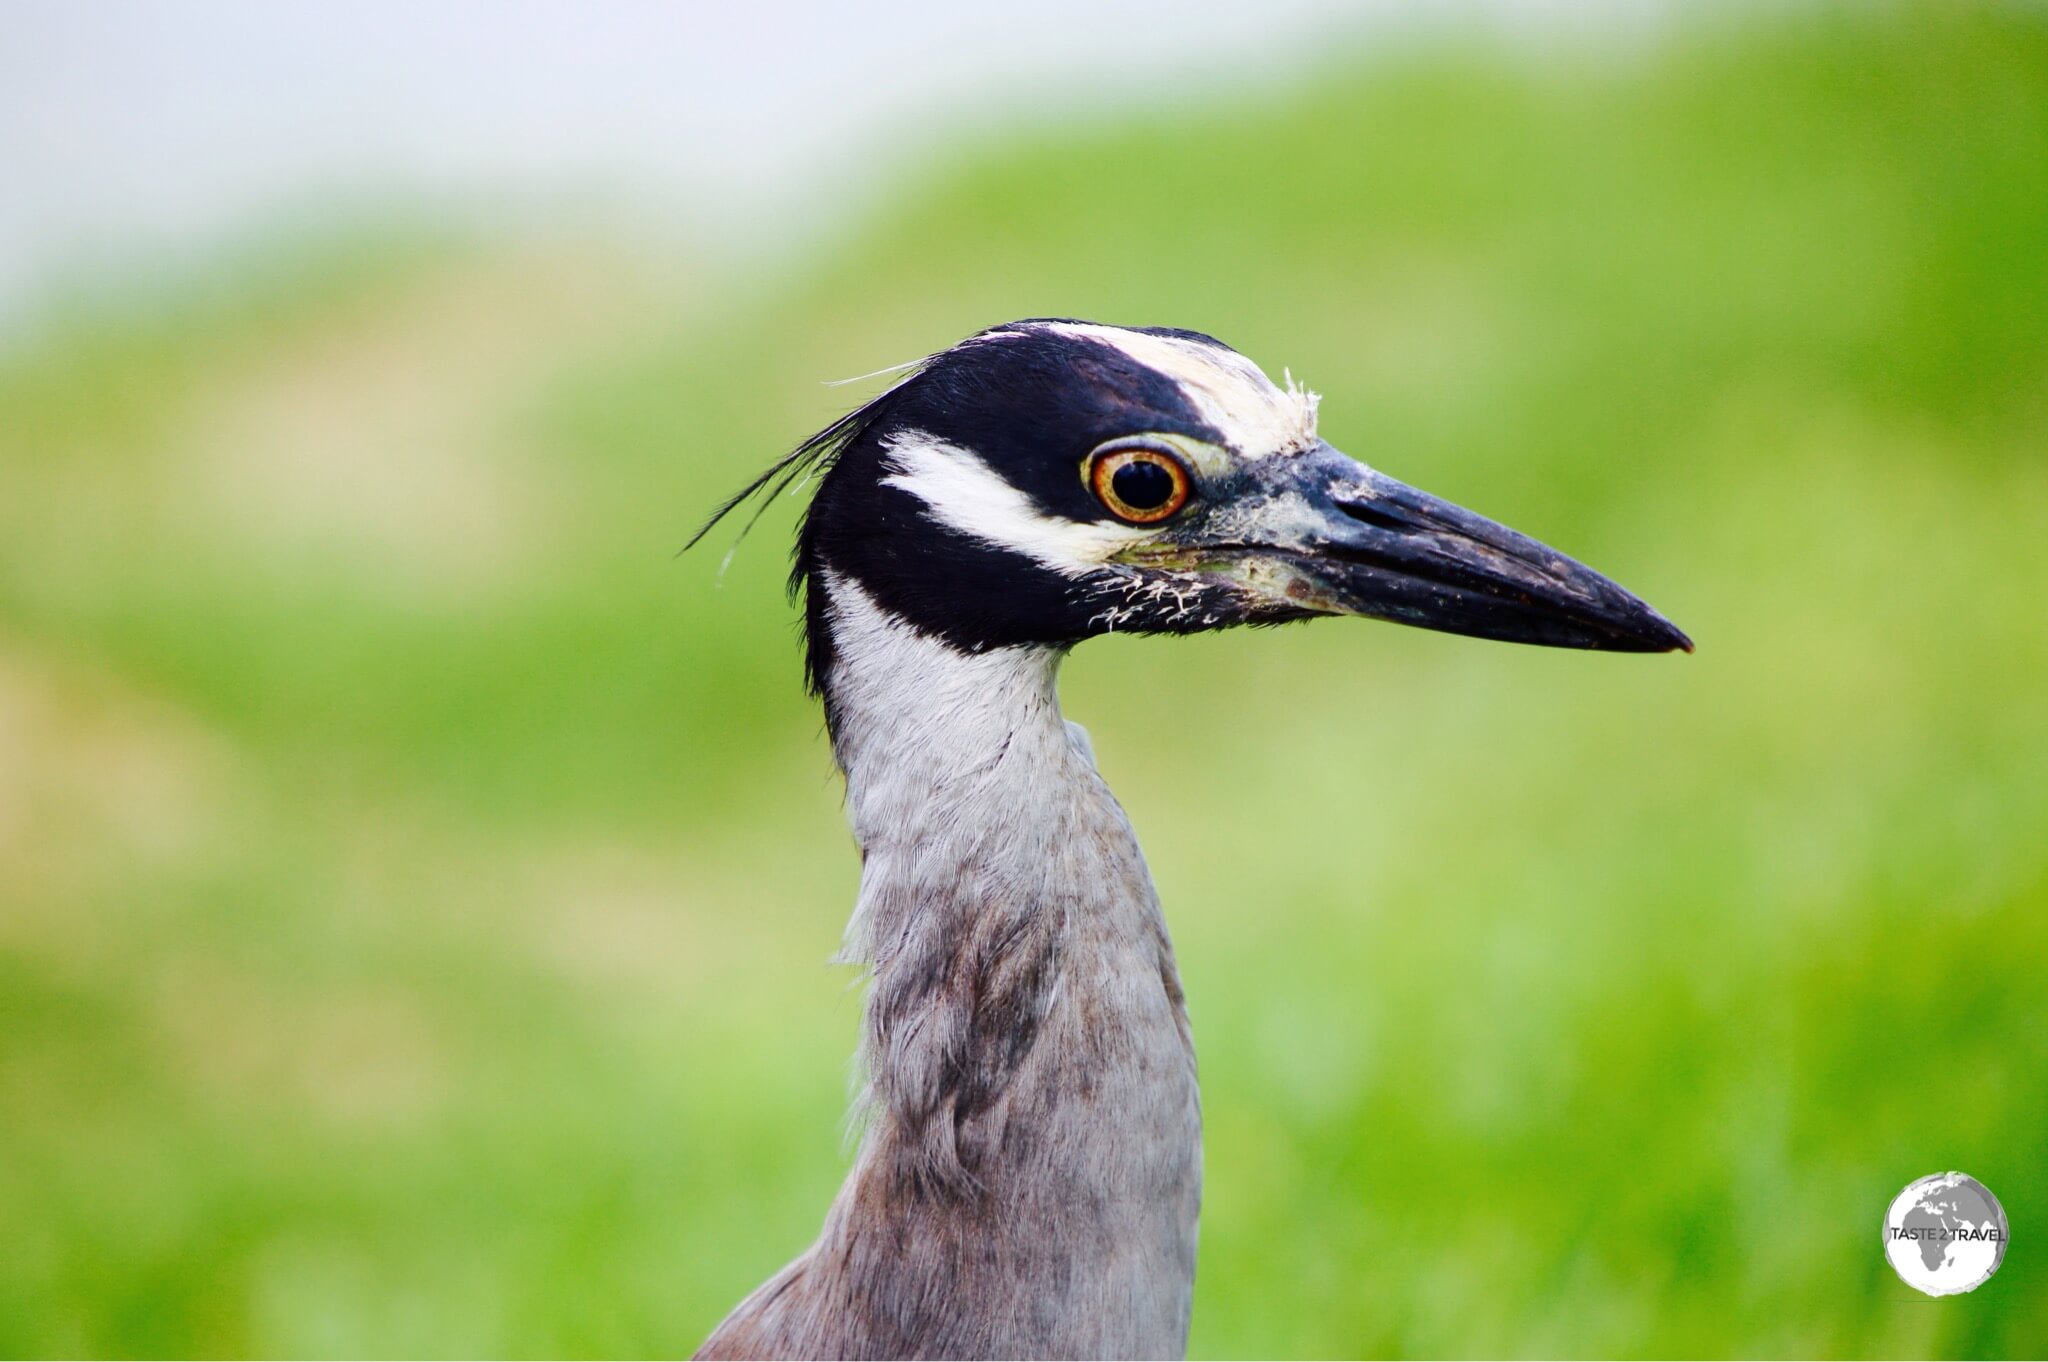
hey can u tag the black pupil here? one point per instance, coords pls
(1142, 485)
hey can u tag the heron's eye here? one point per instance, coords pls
(1139, 483)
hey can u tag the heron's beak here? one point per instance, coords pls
(1332, 536)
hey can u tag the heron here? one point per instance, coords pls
(1029, 1174)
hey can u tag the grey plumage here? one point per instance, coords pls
(1030, 1175)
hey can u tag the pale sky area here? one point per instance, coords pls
(133, 133)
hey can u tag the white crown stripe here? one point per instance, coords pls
(1255, 417)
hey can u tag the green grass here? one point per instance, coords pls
(415, 883)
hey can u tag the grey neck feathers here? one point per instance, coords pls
(1030, 1174)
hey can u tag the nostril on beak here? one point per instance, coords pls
(1379, 518)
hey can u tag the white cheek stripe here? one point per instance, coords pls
(966, 495)
(1255, 417)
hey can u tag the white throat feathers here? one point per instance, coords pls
(1032, 1149)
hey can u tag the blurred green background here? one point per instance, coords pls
(416, 882)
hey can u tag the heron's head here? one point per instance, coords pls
(1046, 481)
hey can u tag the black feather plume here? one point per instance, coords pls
(813, 456)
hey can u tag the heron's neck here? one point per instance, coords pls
(1032, 1098)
